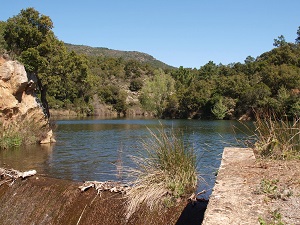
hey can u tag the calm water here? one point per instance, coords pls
(90, 149)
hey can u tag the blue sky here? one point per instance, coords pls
(186, 33)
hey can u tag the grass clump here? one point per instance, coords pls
(269, 188)
(276, 219)
(273, 136)
(165, 171)
(277, 138)
(9, 138)
(23, 131)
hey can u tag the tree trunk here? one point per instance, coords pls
(43, 90)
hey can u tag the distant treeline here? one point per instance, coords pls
(70, 78)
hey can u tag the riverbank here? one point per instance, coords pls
(44, 200)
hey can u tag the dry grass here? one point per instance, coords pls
(165, 171)
(23, 131)
(274, 137)
(277, 138)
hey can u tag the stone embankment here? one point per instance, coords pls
(231, 201)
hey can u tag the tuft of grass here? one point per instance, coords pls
(165, 170)
(275, 137)
(276, 219)
(23, 131)
(268, 187)
(9, 138)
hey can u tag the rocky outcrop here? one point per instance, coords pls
(19, 105)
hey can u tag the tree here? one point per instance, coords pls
(2, 41)
(298, 36)
(114, 96)
(156, 93)
(27, 30)
(249, 59)
(136, 84)
(208, 70)
(280, 41)
(193, 99)
(219, 110)
(27, 35)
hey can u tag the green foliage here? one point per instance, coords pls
(2, 40)
(194, 98)
(17, 133)
(70, 74)
(276, 219)
(219, 110)
(27, 30)
(62, 74)
(298, 36)
(156, 93)
(268, 187)
(9, 139)
(280, 41)
(136, 84)
(112, 95)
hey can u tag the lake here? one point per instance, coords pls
(93, 149)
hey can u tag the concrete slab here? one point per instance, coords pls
(231, 201)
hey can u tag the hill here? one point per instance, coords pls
(126, 55)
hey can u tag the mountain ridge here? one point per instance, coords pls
(126, 55)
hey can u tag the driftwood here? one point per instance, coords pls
(194, 197)
(111, 186)
(10, 175)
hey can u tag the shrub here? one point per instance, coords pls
(166, 170)
(136, 84)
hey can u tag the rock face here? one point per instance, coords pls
(19, 105)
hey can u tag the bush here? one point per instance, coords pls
(166, 170)
(136, 84)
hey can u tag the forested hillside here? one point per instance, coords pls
(82, 78)
(125, 55)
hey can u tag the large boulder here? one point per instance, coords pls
(19, 105)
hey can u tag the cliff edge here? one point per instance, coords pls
(19, 105)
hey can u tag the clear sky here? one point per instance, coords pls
(186, 33)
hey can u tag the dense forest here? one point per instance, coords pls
(81, 78)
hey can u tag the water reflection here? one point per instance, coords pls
(91, 149)
(27, 157)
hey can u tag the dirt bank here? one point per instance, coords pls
(43, 200)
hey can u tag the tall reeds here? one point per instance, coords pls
(165, 170)
(23, 131)
(276, 137)
(9, 138)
